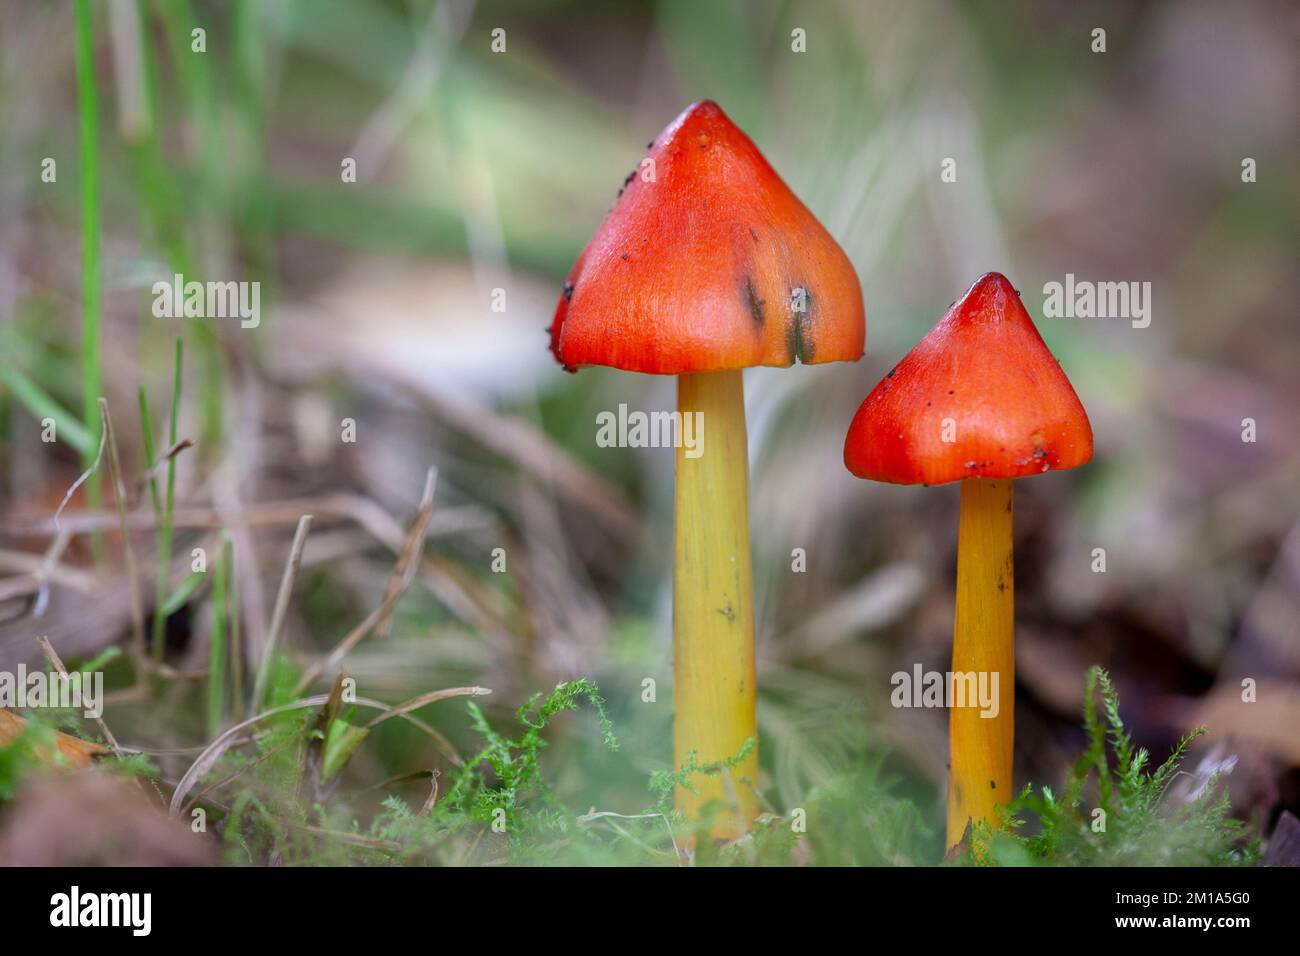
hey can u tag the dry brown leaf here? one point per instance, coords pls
(75, 752)
(95, 819)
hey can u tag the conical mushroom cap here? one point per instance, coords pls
(979, 397)
(708, 261)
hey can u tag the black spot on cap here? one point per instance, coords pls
(753, 302)
(798, 337)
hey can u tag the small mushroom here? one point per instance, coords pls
(708, 264)
(982, 401)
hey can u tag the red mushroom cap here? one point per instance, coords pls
(979, 397)
(712, 264)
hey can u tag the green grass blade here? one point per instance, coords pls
(151, 461)
(184, 591)
(41, 405)
(217, 648)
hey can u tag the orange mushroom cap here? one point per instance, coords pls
(711, 264)
(979, 397)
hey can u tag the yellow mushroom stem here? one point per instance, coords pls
(713, 604)
(980, 747)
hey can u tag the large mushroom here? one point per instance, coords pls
(708, 264)
(982, 401)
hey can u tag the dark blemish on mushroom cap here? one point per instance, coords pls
(1002, 585)
(753, 302)
(950, 391)
(627, 181)
(890, 374)
(993, 784)
(797, 347)
(623, 256)
(798, 337)
(1038, 454)
(568, 292)
(753, 234)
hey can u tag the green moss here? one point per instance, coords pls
(1120, 813)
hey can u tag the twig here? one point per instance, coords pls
(415, 703)
(27, 564)
(433, 796)
(52, 555)
(281, 608)
(53, 658)
(397, 584)
(37, 582)
(81, 479)
(331, 507)
(392, 594)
